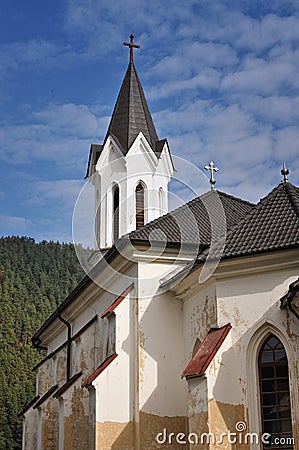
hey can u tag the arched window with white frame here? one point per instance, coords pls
(275, 393)
(140, 205)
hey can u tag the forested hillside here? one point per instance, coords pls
(34, 279)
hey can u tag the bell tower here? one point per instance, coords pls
(131, 170)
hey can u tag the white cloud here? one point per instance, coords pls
(279, 110)
(32, 55)
(262, 77)
(206, 79)
(59, 133)
(13, 224)
(58, 195)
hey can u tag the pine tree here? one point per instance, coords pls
(34, 279)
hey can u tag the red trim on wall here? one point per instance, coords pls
(99, 370)
(201, 360)
(45, 396)
(65, 386)
(28, 406)
(116, 302)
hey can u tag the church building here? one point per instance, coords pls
(185, 332)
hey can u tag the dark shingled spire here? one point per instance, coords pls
(131, 114)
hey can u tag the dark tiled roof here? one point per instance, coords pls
(191, 222)
(94, 154)
(131, 113)
(272, 225)
(201, 360)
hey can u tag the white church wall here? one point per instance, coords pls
(161, 345)
(115, 386)
(249, 303)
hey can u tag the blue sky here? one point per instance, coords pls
(221, 79)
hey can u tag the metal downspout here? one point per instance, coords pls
(69, 343)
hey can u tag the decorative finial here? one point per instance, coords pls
(131, 45)
(285, 172)
(212, 168)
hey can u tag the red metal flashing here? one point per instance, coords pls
(45, 396)
(28, 406)
(206, 352)
(116, 302)
(66, 385)
(99, 370)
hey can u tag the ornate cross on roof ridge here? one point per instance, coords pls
(131, 45)
(212, 168)
(285, 172)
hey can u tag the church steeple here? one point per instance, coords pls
(131, 113)
(132, 169)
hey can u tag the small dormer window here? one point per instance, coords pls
(139, 205)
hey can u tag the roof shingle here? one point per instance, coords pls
(131, 113)
(272, 225)
(191, 223)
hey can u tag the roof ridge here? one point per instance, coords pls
(188, 204)
(169, 213)
(293, 196)
(148, 118)
(246, 202)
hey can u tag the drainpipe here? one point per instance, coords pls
(69, 343)
(291, 307)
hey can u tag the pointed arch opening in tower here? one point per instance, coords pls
(115, 213)
(139, 196)
(275, 392)
(161, 201)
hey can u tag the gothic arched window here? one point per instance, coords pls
(115, 213)
(275, 393)
(139, 194)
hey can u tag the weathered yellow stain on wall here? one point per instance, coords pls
(78, 430)
(115, 436)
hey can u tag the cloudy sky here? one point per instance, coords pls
(221, 78)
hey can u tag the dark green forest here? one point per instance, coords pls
(34, 279)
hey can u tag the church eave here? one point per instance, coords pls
(87, 281)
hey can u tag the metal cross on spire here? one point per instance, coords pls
(131, 45)
(212, 168)
(285, 172)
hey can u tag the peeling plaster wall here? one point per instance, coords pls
(251, 303)
(199, 315)
(78, 428)
(152, 425)
(30, 430)
(50, 425)
(198, 410)
(222, 398)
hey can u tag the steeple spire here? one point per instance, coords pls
(131, 113)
